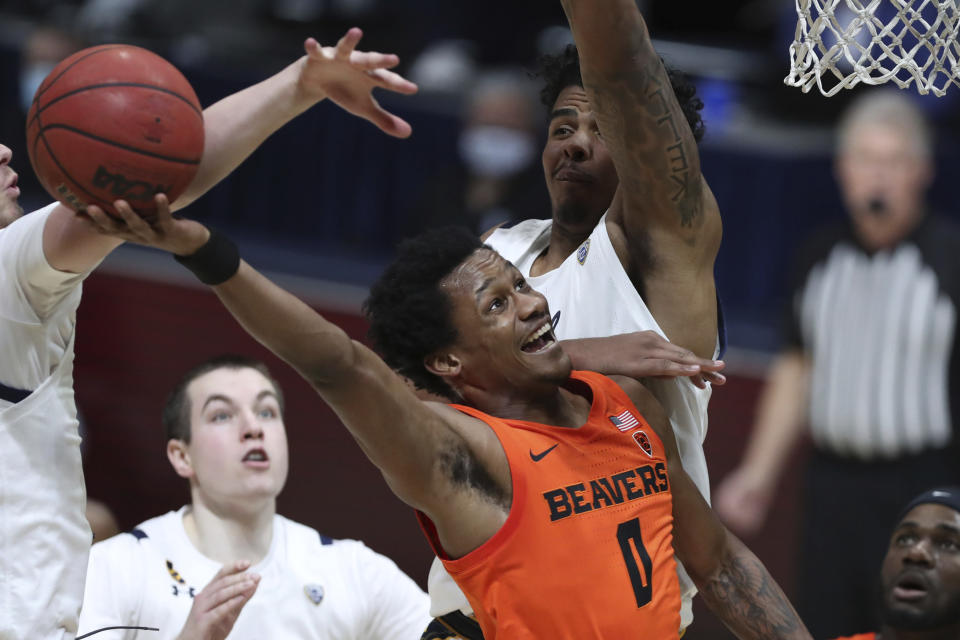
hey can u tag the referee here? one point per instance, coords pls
(870, 363)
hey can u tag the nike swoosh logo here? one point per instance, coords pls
(537, 457)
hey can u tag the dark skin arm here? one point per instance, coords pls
(429, 453)
(642, 354)
(663, 221)
(732, 581)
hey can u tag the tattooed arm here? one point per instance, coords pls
(664, 220)
(742, 594)
(732, 581)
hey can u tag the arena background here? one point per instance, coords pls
(323, 203)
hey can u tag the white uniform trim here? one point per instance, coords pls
(44, 535)
(887, 307)
(590, 295)
(340, 590)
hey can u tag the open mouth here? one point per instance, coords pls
(910, 588)
(12, 187)
(256, 457)
(541, 339)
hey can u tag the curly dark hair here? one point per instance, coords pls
(562, 70)
(410, 317)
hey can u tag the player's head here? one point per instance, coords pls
(578, 169)
(225, 432)
(884, 165)
(9, 192)
(454, 317)
(920, 577)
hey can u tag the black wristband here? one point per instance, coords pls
(215, 262)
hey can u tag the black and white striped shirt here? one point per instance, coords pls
(880, 333)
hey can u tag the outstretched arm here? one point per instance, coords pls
(235, 126)
(732, 581)
(642, 354)
(663, 206)
(423, 449)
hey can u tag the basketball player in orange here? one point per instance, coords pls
(920, 576)
(555, 498)
(634, 231)
(44, 258)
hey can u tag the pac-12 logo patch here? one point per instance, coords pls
(641, 439)
(583, 251)
(314, 592)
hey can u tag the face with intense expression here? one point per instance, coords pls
(238, 445)
(578, 169)
(505, 345)
(921, 571)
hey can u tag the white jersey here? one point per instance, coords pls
(590, 296)
(44, 534)
(311, 587)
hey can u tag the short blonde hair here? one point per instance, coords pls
(887, 107)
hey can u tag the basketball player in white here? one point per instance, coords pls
(635, 228)
(227, 563)
(44, 257)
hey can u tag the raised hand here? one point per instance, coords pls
(179, 236)
(216, 608)
(348, 77)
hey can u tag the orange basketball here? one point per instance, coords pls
(115, 122)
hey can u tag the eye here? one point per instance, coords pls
(561, 131)
(268, 412)
(949, 544)
(220, 416)
(496, 304)
(520, 284)
(905, 539)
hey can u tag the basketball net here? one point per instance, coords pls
(840, 43)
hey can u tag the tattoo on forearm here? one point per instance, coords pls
(624, 103)
(747, 599)
(676, 153)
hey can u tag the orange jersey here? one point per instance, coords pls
(586, 551)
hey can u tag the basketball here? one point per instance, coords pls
(115, 122)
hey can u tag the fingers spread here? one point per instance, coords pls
(134, 222)
(370, 60)
(389, 123)
(101, 221)
(393, 81)
(312, 48)
(348, 42)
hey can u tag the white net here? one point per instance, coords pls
(840, 43)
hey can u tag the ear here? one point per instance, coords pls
(445, 365)
(179, 458)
